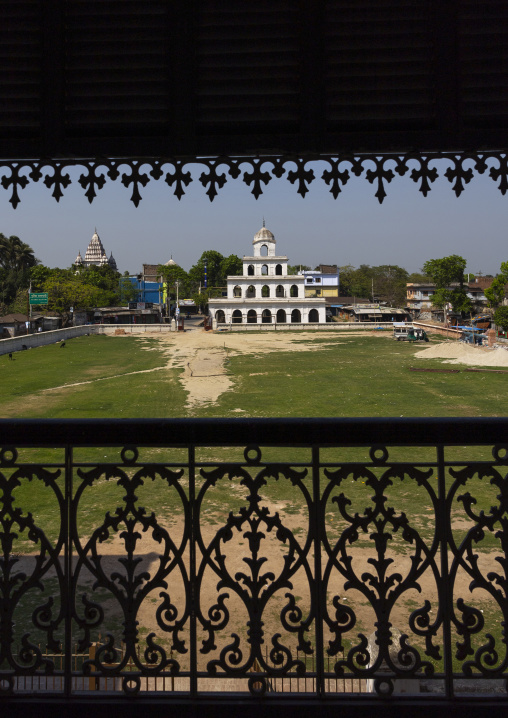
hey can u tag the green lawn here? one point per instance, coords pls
(353, 376)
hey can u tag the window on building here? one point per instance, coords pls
(293, 292)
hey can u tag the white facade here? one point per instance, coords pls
(265, 293)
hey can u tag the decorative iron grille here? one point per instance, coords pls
(256, 172)
(243, 556)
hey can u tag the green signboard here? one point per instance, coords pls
(40, 298)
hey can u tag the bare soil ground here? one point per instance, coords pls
(203, 355)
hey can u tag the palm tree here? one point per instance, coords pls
(15, 254)
(16, 259)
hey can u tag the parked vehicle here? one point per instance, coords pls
(409, 333)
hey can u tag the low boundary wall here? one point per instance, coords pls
(112, 329)
(41, 339)
(442, 331)
(308, 326)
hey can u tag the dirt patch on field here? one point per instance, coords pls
(204, 356)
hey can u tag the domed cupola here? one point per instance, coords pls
(264, 235)
(264, 242)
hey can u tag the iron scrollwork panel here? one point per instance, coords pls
(477, 503)
(254, 578)
(381, 622)
(130, 584)
(32, 573)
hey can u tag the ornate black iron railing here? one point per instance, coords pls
(181, 558)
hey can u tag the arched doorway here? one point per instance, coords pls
(220, 317)
(296, 317)
(264, 250)
(265, 290)
(251, 292)
(252, 317)
(281, 316)
(250, 270)
(278, 269)
(293, 292)
(264, 269)
(266, 317)
(313, 315)
(237, 317)
(237, 291)
(279, 291)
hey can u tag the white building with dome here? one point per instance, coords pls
(95, 255)
(265, 293)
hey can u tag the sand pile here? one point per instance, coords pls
(461, 353)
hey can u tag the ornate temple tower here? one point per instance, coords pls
(95, 255)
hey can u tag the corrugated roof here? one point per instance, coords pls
(13, 318)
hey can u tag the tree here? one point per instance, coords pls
(200, 300)
(215, 277)
(445, 272)
(496, 292)
(418, 278)
(295, 268)
(81, 288)
(231, 266)
(389, 284)
(501, 318)
(346, 273)
(16, 259)
(171, 274)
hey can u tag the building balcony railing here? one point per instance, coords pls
(194, 561)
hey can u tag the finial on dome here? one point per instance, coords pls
(263, 221)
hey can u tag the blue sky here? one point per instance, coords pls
(407, 229)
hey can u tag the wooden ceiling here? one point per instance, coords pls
(191, 78)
